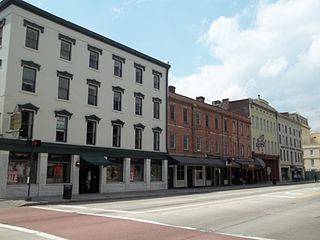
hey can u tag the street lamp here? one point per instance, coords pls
(34, 143)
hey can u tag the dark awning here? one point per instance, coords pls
(256, 163)
(95, 159)
(195, 161)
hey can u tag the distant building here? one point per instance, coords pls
(98, 107)
(312, 157)
(290, 148)
(305, 129)
(208, 145)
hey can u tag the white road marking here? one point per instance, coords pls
(244, 236)
(29, 231)
(277, 196)
(98, 209)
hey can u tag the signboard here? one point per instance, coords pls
(15, 121)
(12, 176)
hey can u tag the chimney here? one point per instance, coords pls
(225, 103)
(216, 103)
(200, 99)
(172, 89)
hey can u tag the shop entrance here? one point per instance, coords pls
(89, 179)
(170, 177)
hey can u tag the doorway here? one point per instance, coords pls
(89, 179)
(170, 177)
(190, 177)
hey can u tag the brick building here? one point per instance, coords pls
(207, 144)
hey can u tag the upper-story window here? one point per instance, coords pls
(156, 138)
(207, 120)
(116, 132)
(117, 98)
(94, 53)
(156, 79)
(241, 129)
(64, 85)
(138, 103)
(216, 122)
(92, 122)
(138, 128)
(198, 118)
(172, 109)
(185, 115)
(93, 86)
(66, 46)
(62, 118)
(185, 142)
(2, 23)
(172, 142)
(139, 72)
(198, 144)
(156, 107)
(117, 68)
(225, 125)
(29, 75)
(26, 129)
(33, 31)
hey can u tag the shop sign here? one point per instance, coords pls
(15, 121)
(12, 176)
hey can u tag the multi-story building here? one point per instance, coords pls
(312, 157)
(208, 144)
(305, 129)
(263, 131)
(98, 107)
(290, 148)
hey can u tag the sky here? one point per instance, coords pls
(218, 48)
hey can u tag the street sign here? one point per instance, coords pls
(15, 121)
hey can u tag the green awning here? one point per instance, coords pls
(95, 159)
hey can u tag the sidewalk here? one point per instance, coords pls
(7, 203)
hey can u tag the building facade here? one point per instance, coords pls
(98, 107)
(208, 145)
(263, 131)
(312, 157)
(290, 149)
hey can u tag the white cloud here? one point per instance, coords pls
(277, 56)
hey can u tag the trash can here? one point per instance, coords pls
(67, 191)
(274, 181)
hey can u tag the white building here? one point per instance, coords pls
(290, 148)
(98, 107)
(312, 157)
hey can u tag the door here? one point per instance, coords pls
(170, 177)
(89, 179)
(189, 177)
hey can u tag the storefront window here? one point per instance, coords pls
(136, 170)
(199, 173)
(156, 170)
(59, 168)
(180, 172)
(19, 168)
(208, 173)
(115, 171)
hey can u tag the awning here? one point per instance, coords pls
(95, 159)
(195, 161)
(256, 163)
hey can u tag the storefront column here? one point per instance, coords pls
(75, 174)
(4, 161)
(175, 176)
(147, 172)
(42, 172)
(126, 172)
(103, 178)
(204, 176)
(165, 173)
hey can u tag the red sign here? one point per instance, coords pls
(12, 176)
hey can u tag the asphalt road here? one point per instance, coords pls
(280, 212)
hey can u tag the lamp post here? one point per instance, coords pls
(34, 143)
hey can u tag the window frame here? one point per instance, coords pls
(94, 97)
(67, 90)
(30, 41)
(138, 105)
(156, 79)
(117, 68)
(32, 82)
(139, 75)
(186, 142)
(29, 124)
(93, 59)
(116, 135)
(91, 136)
(64, 130)
(2, 23)
(65, 53)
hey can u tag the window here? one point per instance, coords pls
(216, 122)
(225, 125)
(218, 146)
(156, 138)
(115, 170)
(242, 150)
(198, 118)
(199, 173)
(29, 79)
(2, 23)
(172, 110)
(207, 120)
(116, 133)
(61, 128)
(32, 38)
(117, 68)
(93, 59)
(180, 172)
(94, 56)
(311, 152)
(138, 106)
(156, 79)
(138, 138)
(198, 144)
(65, 50)
(312, 162)
(156, 170)
(19, 168)
(226, 148)
(185, 143)
(26, 124)
(117, 100)
(172, 141)
(92, 95)
(185, 115)
(234, 150)
(137, 170)
(241, 129)
(63, 90)
(208, 147)
(139, 73)
(156, 107)
(59, 168)
(91, 132)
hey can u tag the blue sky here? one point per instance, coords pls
(218, 48)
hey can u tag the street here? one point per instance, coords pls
(280, 212)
